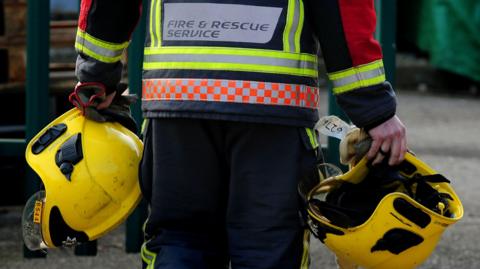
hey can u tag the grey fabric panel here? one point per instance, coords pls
(91, 70)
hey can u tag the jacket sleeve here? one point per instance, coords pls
(353, 58)
(104, 32)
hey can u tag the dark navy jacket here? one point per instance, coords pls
(242, 60)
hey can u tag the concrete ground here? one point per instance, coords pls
(442, 130)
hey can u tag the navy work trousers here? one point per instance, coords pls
(223, 192)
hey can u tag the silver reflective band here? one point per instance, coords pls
(357, 77)
(296, 25)
(219, 22)
(31, 224)
(154, 20)
(236, 59)
(109, 53)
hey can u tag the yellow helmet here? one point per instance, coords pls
(90, 174)
(383, 216)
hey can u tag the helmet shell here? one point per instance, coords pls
(400, 233)
(97, 187)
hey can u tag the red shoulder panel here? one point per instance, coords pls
(359, 21)
(84, 10)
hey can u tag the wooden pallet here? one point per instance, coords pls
(62, 34)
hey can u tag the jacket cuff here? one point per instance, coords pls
(90, 70)
(370, 106)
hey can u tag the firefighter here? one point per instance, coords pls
(230, 96)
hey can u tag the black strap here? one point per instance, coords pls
(69, 154)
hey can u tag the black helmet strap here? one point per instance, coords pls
(69, 154)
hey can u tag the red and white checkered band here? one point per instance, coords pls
(235, 91)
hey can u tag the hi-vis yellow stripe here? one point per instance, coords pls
(98, 49)
(151, 21)
(155, 21)
(232, 51)
(312, 136)
(357, 77)
(293, 26)
(298, 31)
(233, 59)
(147, 256)
(306, 250)
(158, 22)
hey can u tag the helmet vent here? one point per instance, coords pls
(50, 135)
(397, 241)
(411, 212)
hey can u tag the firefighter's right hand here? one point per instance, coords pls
(89, 97)
(98, 104)
(389, 140)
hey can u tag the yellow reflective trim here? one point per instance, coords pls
(357, 69)
(298, 31)
(312, 137)
(158, 22)
(145, 259)
(152, 265)
(288, 25)
(150, 262)
(306, 250)
(142, 131)
(95, 55)
(233, 67)
(101, 43)
(151, 20)
(144, 247)
(232, 51)
(359, 84)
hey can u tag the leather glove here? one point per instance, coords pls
(354, 146)
(87, 96)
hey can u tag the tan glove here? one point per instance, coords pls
(354, 146)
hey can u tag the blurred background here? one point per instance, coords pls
(432, 57)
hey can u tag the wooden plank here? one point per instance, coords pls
(17, 61)
(15, 17)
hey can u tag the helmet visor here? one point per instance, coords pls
(32, 222)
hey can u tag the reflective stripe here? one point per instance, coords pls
(233, 91)
(300, 26)
(216, 58)
(147, 256)
(142, 131)
(293, 26)
(312, 137)
(158, 22)
(306, 249)
(233, 59)
(357, 77)
(155, 22)
(98, 49)
(152, 20)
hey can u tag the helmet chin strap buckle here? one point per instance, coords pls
(69, 154)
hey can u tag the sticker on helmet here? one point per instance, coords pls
(37, 213)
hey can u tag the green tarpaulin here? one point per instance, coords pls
(448, 30)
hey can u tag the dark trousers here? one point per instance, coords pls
(221, 192)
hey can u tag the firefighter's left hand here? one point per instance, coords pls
(389, 140)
